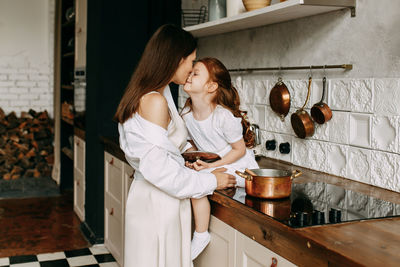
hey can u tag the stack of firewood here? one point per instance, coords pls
(26, 145)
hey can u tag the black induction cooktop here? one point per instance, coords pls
(319, 203)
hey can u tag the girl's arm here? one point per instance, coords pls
(238, 151)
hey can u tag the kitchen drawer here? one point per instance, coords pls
(113, 184)
(249, 253)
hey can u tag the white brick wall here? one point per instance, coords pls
(361, 142)
(26, 84)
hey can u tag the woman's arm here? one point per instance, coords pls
(238, 151)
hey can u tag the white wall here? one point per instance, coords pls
(26, 55)
(362, 141)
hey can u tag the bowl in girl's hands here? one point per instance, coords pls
(201, 155)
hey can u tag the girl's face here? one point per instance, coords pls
(198, 80)
(184, 69)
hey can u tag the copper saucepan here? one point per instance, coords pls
(279, 99)
(301, 121)
(320, 111)
(268, 183)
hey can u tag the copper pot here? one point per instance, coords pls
(268, 183)
(320, 111)
(301, 121)
(279, 99)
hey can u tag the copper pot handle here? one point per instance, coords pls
(248, 177)
(250, 172)
(308, 93)
(295, 174)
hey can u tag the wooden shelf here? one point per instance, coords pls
(67, 87)
(68, 152)
(280, 12)
(68, 121)
(69, 54)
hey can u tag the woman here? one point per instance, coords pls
(153, 136)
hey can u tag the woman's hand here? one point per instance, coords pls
(224, 180)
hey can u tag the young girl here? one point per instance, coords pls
(215, 124)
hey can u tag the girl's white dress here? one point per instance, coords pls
(216, 133)
(158, 211)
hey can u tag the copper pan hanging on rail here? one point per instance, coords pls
(301, 121)
(320, 111)
(279, 99)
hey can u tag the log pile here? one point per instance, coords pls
(26, 145)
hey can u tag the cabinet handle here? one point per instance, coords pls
(112, 161)
(79, 30)
(77, 143)
(274, 262)
(131, 176)
(112, 211)
(77, 182)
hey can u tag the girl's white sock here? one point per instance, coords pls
(199, 243)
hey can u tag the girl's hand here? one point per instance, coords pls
(199, 165)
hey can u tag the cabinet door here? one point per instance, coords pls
(221, 250)
(79, 177)
(80, 33)
(249, 253)
(113, 204)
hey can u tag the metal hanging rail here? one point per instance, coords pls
(343, 66)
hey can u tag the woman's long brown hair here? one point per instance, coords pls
(158, 64)
(227, 95)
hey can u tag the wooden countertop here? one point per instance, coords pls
(358, 243)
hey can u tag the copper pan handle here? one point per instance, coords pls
(308, 93)
(295, 174)
(248, 177)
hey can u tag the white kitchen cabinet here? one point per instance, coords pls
(249, 253)
(221, 250)
(113, 206)
(230, 248)
(118, 177)
(79, 177)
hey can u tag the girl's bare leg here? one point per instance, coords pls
(201, 237)
(201, 212)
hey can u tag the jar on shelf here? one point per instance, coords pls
(216, 9)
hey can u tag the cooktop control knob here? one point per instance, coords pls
(284, 148)
(335, 216)
(270, 145)
(318, 217)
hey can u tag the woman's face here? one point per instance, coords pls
(198, 80)
(184, 69)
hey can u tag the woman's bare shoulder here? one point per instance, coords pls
(154, 108)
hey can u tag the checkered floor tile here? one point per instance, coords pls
(97, 255)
